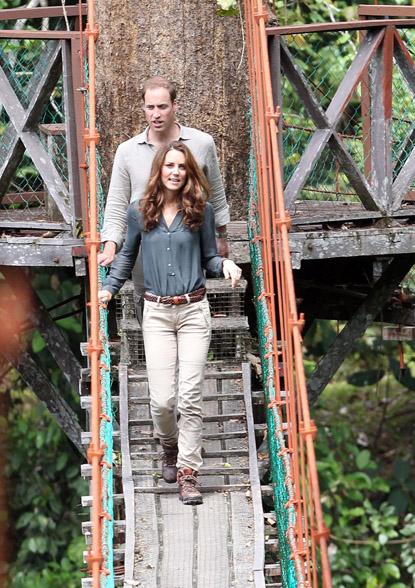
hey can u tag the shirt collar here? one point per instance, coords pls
(143, 137)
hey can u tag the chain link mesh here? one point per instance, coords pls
(23, 194)
(323, 59)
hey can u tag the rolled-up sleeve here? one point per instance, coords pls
(118, 199)
(217, 195)
(211, 261)
(125, 260)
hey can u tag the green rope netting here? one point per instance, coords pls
(280, 466)
(106, 428)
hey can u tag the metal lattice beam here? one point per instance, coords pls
(24, 138)
(326, 123)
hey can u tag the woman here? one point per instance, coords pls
(174, 226)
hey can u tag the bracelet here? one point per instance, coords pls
(221, 234)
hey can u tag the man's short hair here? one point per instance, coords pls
(159, 82)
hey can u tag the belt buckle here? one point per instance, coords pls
(176, 300)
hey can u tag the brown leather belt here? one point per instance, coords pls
(195, 296)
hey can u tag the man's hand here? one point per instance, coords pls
(106, 257)
(232, 271)
(104, 297)
(222, 246)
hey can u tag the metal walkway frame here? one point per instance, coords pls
(219, 498)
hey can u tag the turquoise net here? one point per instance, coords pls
(279, 460)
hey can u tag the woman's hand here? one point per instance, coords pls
(231, 271)
(104, 297)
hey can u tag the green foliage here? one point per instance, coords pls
(364, 524)
(65, 573)
(45, 498)
(44, 469)
(365, 461)
(53, 287)
(228, 7)
(302, 11)
(10, 4)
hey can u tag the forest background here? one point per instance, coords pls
(364, 445)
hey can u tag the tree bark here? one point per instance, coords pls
(200, 51)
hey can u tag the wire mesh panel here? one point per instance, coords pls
(323, 60)
(38, 149)
(36, 100)
(403, 113)
(229, 325)
(348, 110)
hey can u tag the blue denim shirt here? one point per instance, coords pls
(174, 257)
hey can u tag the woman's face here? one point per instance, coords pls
(173, 172)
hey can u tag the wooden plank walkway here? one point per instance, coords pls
(219, 544)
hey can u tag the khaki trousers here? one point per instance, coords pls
(176, 341)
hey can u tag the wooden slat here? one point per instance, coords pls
(86, 501)
(214, 418)
(209, 375)
(354, 25)
(42, 12)
(204, 471)
(86, 437)
(75, 185)
(207, 436)
(39, 35)
(206, 488)
(257, 397)
(381, 11)
(380, 78)
(226, 454)
(86, 402)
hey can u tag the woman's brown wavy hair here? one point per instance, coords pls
(192, 196)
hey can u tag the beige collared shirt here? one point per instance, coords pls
(131, 172)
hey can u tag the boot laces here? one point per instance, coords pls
(189, 482)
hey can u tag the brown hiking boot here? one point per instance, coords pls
(168, 463)
(188, 492)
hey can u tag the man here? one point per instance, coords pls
(132, 165)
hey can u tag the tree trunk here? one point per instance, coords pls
(190, 44)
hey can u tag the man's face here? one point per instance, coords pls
(160, 111)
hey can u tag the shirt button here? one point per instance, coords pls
(168, 248)
(169, 264)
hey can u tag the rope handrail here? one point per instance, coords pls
(92, 241)
(305, 532)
